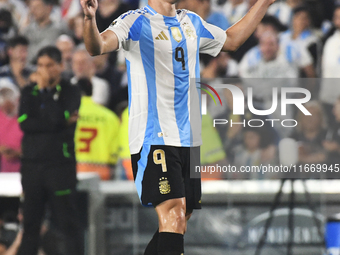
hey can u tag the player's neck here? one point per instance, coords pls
(163, 7)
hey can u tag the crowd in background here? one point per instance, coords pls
(297, 39)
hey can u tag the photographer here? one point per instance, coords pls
(48, 116)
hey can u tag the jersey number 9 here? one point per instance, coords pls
(159, 159)
(179, 56)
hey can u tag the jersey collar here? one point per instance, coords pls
(153, 12)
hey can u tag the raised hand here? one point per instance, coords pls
(89, 7)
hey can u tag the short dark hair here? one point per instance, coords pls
(273, 21)
(6, 16)
(85, 86)
(301, 8)
(51, 51)
(17, 40)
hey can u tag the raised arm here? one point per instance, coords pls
(96, 43)
(240, 31)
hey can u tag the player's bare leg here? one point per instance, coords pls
(172, 226)
(153, 244)
(172, 219)
(171, 216)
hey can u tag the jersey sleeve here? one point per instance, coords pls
(212, 39)
(126, 27)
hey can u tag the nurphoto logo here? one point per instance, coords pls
(279, 95)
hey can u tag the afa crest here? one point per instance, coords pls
(189, 32)
(176, 34)
(164, 186)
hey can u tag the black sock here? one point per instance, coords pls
(151, 249)
(170, 244)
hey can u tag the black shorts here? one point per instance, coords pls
(162, 172)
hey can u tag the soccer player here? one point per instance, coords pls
(161, 46)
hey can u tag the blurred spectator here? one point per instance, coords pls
(283, 10)
(301, 32)
(76, 25)
(269, 61)
(7, 30)
(10, 132)
(332, 139)
(330, 89)
(17, 8)
(310, 133)
(234, 10)
(96, 136)
(83, 67)
(66, 45)
(268, 23)
(17, 71)
(203, 9)
(108, 72)
(250, 152)
(223, 66)
(41, 30)
(117, 81)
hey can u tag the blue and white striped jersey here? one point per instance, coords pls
(162, 57)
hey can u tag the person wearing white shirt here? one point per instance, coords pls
(283, 10)
(331, 56)
(301, 32)
(269, 61)
(330, 89)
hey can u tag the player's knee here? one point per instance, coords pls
(178, 219)
(173, 219)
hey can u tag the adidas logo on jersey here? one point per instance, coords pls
(162, 36)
